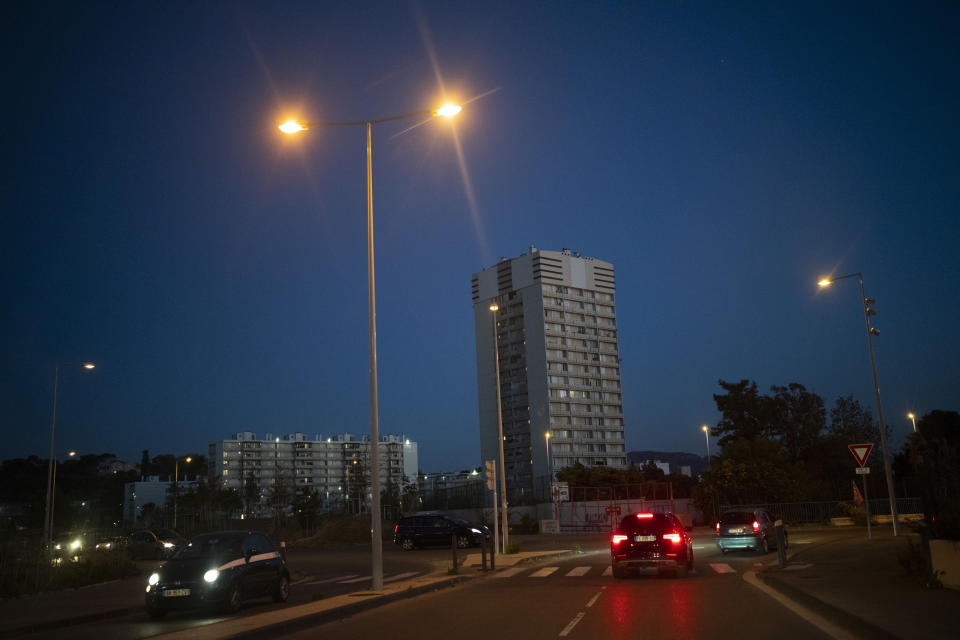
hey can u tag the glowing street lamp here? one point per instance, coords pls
(913, 418)
(293, 127)
(867, 312)
(48, 516)
(176, 485)
(706, 435)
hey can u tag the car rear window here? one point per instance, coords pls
(633, 525)
(737, 517)
(212, 546)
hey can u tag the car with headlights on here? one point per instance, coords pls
(651, 540)
(748, 529)
(435, 528)
(154, 544)
(218, 571)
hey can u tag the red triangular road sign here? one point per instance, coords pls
(861, 452)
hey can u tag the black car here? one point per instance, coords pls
(651, 540)
(434, 528)
(218, 570)
(747, 529)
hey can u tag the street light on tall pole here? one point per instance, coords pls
(913, 419)
(494, 307)
(48, 516)
(291, 127)
(546, 438)
(706, 435)
(867, 312)
(53, 492)
(176, 485)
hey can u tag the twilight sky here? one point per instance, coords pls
(723, 156)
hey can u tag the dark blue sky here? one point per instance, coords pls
(722, 156)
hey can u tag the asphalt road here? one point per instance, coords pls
(316, 574)
(577, 598)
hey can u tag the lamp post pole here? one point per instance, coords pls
(706, 436)
(888, 471)
(505, 522)
(176, 485)
(546, 438)
(290, 127)
(913, 419)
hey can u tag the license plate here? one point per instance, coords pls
(736, 530)
(646, 538)
(174, 593)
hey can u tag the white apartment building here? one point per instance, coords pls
(556, 335)
(332, 466)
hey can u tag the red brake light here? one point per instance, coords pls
(618, 538)
(395, 527)
(644, 516)
(756, 526)
(672, 537)
(718, 528)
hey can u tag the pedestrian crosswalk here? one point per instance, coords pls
(603, 571)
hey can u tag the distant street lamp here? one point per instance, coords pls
(546, 438)
(494, 307)
(706, 435)
(291, 127)
(48, 516)
(867, 312)
(176, 485)
(913, 418)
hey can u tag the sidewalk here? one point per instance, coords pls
(860, 586)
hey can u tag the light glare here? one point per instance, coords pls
(291, 126)
(449, 110)
(826, 282)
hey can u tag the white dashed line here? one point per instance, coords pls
(576, 572)
(507, 573)
(337, 579)
(567, 629)
(543, 573)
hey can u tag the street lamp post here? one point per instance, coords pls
(48, 516)
(913, 419)
(503, 476)
(176, 485)
(291, 127)
(546, 438)
(53, 493)
(867, 312)
(706, 435)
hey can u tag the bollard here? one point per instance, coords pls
(781, 543)
(453, 551)
(493, 556)
(483, 555)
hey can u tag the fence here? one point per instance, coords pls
(812, 512)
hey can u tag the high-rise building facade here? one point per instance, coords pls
(337, 468)
(555, 332)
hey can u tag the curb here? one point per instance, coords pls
(854, 625)
(305, 622)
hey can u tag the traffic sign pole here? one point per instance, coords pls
(866, 504)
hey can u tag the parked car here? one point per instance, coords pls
(154, 544)
(218, 570)
(110, 543)
(747, 529)
(69, 547)
(651, 540)
(435, 528)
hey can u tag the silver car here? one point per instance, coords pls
(747, 529)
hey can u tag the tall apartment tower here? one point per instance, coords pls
(555, 332)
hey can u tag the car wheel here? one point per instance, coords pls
(764, 546)
(234, 600)
(281, 591)
(406, 544)
(619, 572)
(155, 614)
(463, 542)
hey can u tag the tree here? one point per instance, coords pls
(799, 419)
(745, 414)
(934, 451)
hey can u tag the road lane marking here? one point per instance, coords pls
(355, 580)
(543, 573)
(576, 572)
(721, 567)
(701, 546)
(301, 580)
(567, 629)
(607, 572)
(338, 578)
(594, 599)
(815, 619)
(401, 576)
(506, 573)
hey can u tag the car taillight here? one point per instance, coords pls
(756, 526)
(718, 528)
(672, 537)
(644, 516)
(618, 538)
(395, 527)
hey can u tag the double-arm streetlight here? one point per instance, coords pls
(48, 516)
(867, 312)
(176, 485)
(291, 127)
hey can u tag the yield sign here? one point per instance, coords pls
(861, 452)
